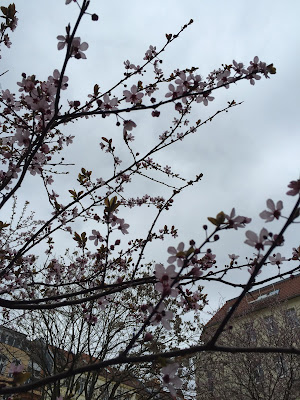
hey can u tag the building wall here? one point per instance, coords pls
(265, 321)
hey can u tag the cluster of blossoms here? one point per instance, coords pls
(10, 23)
(105, 268)
(77, 48)
(39, 98)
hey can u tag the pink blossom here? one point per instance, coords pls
(177, 254)
(165, 277)
(49, 180)
(205, 98)
(77, 47)
(236, 222)
(276, 259)
(122, 226)
(170, 379)
(239, 68)
(295, 186)
(296, 253)
(102, 302)
(258, 241)
(275, 211)
(150, 53)
(109, 104)
(162, 316)
(252, 269)
(55, 79)
(8, 97)
(53, 195)
(184, 81)
(27, 84)
(96, 236)
(69, 140)
(128, 125)
(233, 257)
(133, 96)
(174, 93)
(223, 79)
(16, 369)
(208, 260)
(22, 137)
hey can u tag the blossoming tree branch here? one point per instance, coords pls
(104, 269)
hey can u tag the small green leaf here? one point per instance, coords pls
(213, 221)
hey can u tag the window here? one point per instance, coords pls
(210, 381)
(281, 367)
(250, 332)
(35, 371)
(258, 374)
(3, 362)
(292, 318)
(271, 325)
(80, 385)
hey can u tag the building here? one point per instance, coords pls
(270, 317)
(41, 360)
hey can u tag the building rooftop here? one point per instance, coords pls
(257, 299)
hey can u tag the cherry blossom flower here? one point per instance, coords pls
(22, 137)
(128, 125)
(208, 260)
(223, 78)
(239, 68)
(53, 195)
(177, 254)
(103, 301)
(252, 269)
(77, 46)
(183, 80)
(109, 104)
(236, 222)
(150, 53)
(8, 97)
(133, 96)
(49, 180)
(295, 186)
(16, 369)
(62, 41)
(253, 64)
(26, 85)
(274, 213)
(174, 93)
(96, 236)
(170, 379)
(55, 79)
(122, 226)
(276, 259)
(69, 140)
(162, 316)
(205, 98)
(296, 253)
(233, 257)
(166, 277)
(258, 241)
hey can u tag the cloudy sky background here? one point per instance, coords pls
(247, 155)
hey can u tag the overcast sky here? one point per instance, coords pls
(247, 155)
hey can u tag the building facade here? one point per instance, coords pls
(270, 317)
(40, 360)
